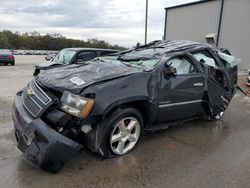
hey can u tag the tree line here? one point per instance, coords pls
(55, 41)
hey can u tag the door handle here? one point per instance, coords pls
(198, 84)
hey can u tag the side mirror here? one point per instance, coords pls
(169, 71)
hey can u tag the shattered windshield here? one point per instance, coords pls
(147, 63)
(64, 56)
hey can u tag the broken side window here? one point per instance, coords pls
(204, 58)
(182, 65)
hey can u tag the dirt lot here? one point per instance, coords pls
(196, 154)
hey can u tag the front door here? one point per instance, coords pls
(218, 90)
(181, 95)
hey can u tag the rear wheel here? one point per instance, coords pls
(122, 132)
(219, 116)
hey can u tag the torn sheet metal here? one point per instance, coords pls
(41, 145)
(231, 61)
(217, 95)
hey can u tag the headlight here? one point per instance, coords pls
(76, 105)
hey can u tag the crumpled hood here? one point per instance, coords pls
(46, 65)
(76, 77)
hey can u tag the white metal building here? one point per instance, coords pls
(229, 20)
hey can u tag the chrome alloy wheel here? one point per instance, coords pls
(125, 135)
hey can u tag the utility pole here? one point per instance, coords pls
(146, 22)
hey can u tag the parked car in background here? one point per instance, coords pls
(108, 102)
(69, 56)
(21, 52)
(248, 78)
(50, 56)
(6, 57)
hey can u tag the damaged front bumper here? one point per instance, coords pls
(42, 145)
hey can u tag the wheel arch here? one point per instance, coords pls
(142, 105)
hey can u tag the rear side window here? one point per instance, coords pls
(182, 65)
(86, 56)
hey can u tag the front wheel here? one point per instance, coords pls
(122, 132)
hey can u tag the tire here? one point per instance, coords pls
(118, 139)
(5, 64)
(12, 64)
(219, 116)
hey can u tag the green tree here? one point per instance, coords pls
(3, 41)
(55, 41)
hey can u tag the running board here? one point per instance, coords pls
(163, 126)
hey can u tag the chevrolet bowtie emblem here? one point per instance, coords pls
(30, 92)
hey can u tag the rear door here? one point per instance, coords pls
(181, 95)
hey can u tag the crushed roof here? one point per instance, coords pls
(158, 48)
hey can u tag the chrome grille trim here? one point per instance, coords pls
(36, 102)
(28, 106)
(42, 96)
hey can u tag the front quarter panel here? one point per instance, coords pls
(112, 93)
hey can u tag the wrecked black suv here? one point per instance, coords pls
(107, 103)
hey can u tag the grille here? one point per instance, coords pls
(30, 105)
(41, 95)
(35, 100)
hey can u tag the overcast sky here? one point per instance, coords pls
(116, 21)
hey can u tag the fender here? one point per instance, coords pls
(108, 95)
(123, 102)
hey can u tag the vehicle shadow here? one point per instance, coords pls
(156, 150)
